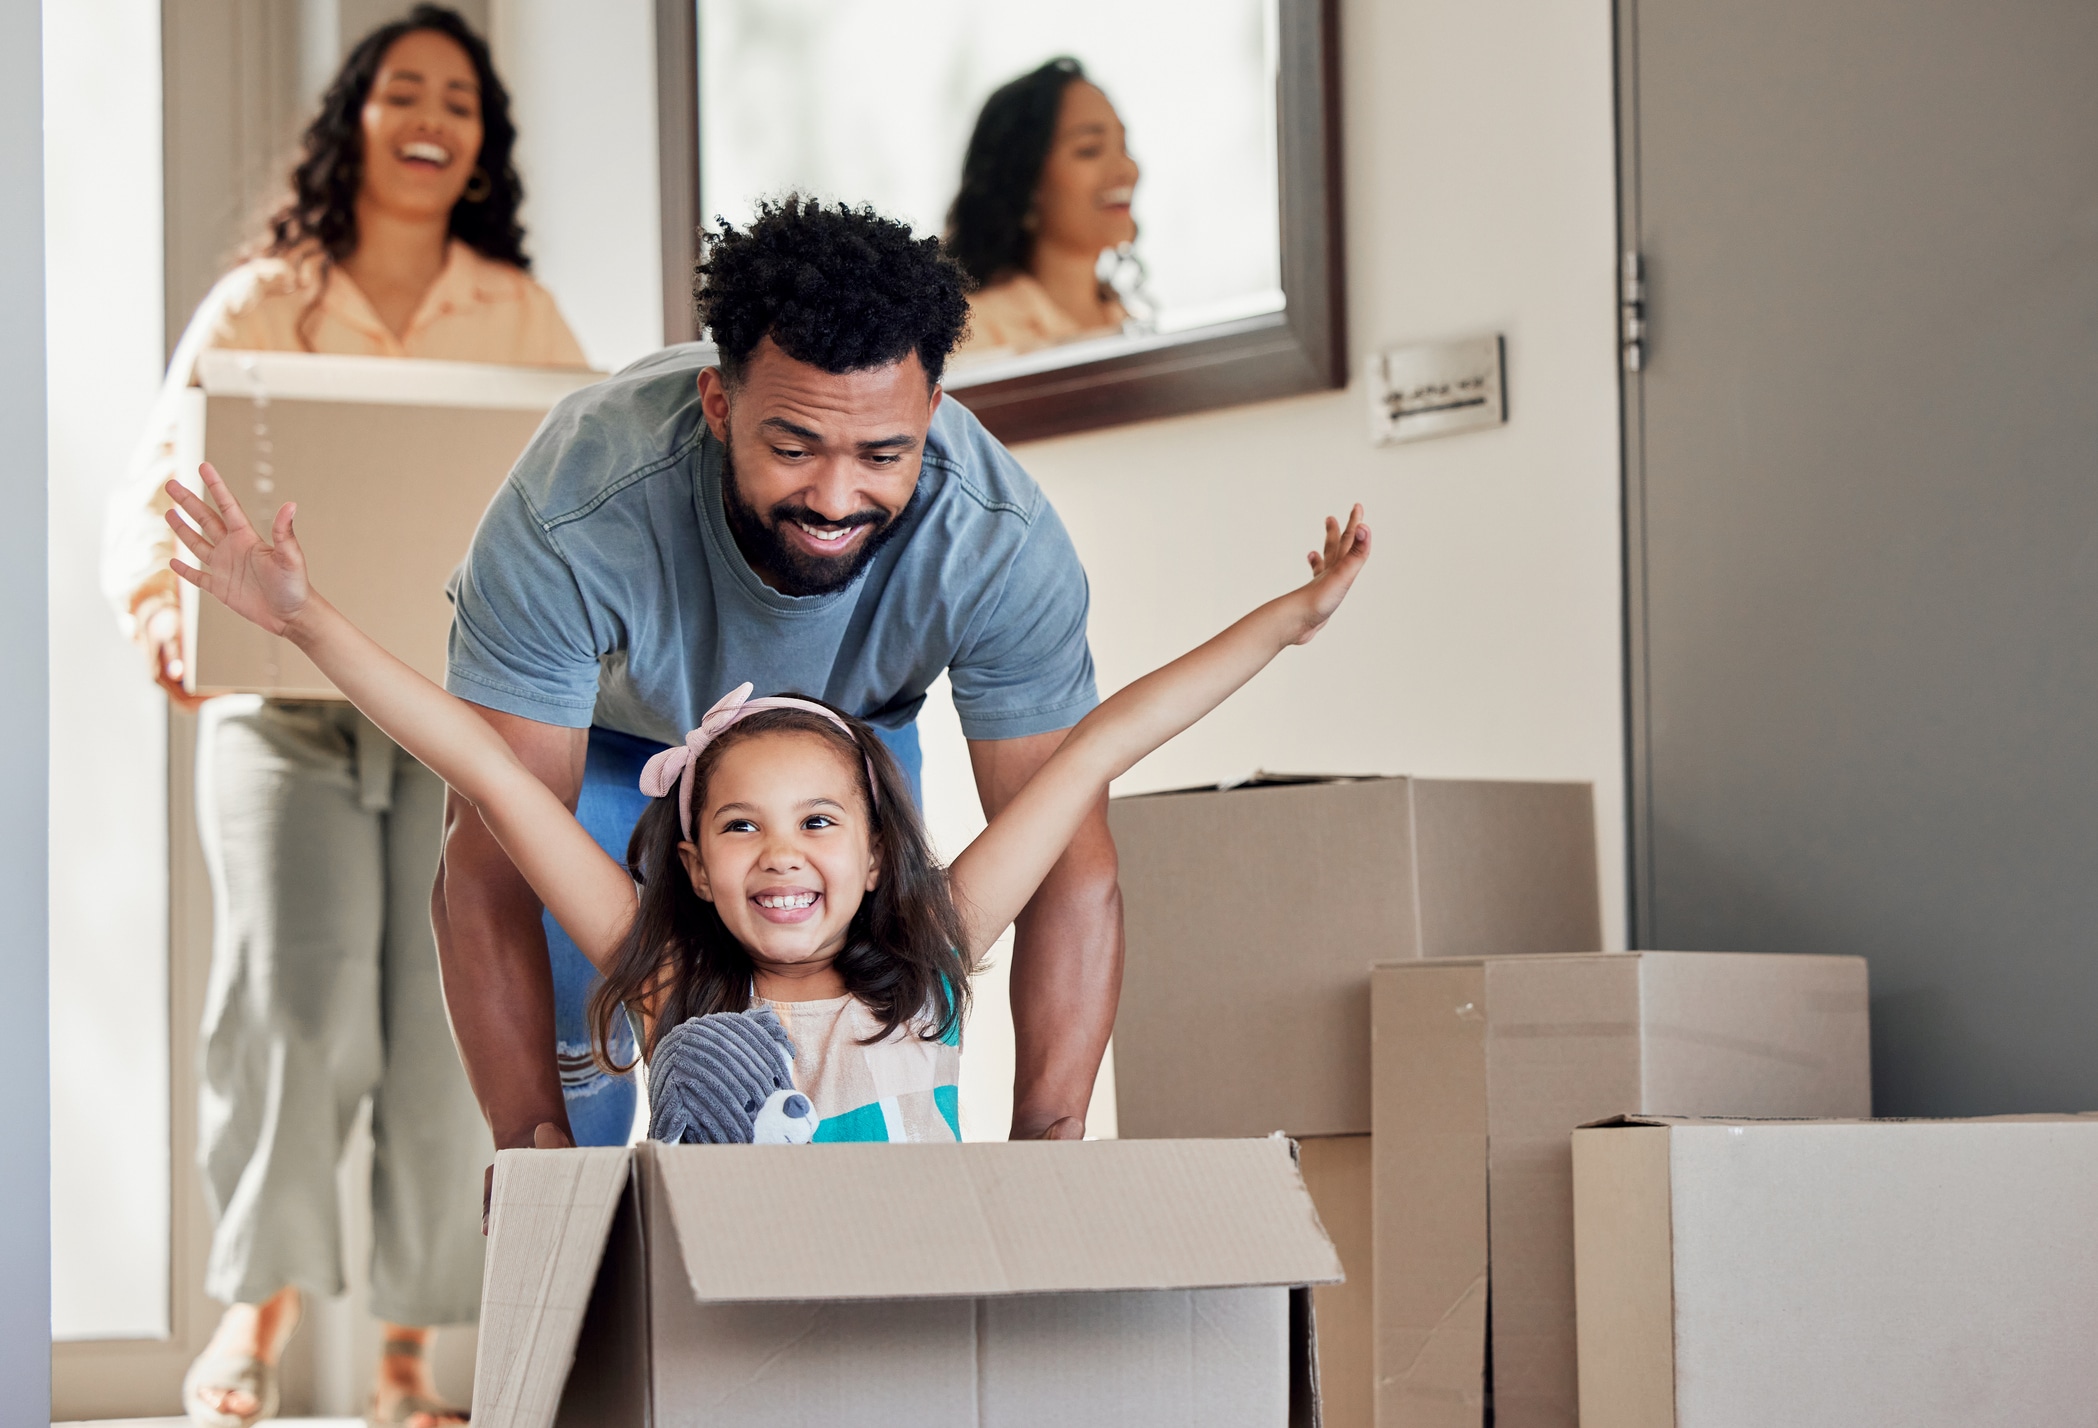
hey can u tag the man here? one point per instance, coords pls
(809, 515)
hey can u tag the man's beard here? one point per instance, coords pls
(794, 571)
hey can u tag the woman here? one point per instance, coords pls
(1046, 189)
(400, 239)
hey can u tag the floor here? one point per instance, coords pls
(184, 1423)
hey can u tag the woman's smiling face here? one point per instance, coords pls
(422, 126)
(784, 849)
(1089, 180)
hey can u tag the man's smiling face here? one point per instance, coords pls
(820, 464)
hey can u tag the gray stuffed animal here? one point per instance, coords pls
(727, 1079)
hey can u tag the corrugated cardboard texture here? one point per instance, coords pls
(1134, 1359)
(609, 1382)
(1012, 1218)
(1523, 1049)
(1934, 1274)
(1562, 1037)
(1721, 1023)
(1337, 1173)
(1506, 868)
(1429, 1168)
(549, 1217)
(389, 485)
(1253, 916)
(1623, 1273)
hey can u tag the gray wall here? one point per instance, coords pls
(1864, 461)
(25, 1111)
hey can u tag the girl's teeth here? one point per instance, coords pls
(795, 900)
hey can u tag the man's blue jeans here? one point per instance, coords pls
(601, 1106)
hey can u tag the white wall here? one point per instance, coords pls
(108, 769)
(1484, 640)
(25, 1113)
(582, 84)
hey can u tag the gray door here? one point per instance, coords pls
(1862, 515)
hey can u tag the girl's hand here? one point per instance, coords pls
(261, 581)
(1333, 571)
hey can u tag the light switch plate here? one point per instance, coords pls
(1436, 389)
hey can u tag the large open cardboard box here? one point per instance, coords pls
(1484, 1068)
(1931, 1274)
(1253, 916)
(392, 462)
(979, 1286)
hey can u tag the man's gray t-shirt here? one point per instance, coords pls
(604, 587)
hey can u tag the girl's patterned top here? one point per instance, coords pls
(901, 1088)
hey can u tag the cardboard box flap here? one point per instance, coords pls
(765, 1222)
(549, 1215)
(1259, 778)
(2043, 1117)
(393, 381)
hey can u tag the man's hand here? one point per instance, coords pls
(1067, 955)
(547, 1136)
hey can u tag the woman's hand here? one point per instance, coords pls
(1333, 571)
(160, 633)
(261, 581)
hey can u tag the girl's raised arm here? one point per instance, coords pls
(265, 583)
(996, 875)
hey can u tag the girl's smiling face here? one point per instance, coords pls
(785, 852)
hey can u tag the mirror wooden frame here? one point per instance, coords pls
(1302, 348)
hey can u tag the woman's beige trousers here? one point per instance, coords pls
(322, 839)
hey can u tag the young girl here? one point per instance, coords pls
(782, 865)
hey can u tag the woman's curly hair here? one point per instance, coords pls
(322, 210)
(837, 287)
(987, 228)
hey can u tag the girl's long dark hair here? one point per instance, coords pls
(987, 228)
(904, 958)
(322, 210)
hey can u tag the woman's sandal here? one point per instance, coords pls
(406, 1407)
(214, 1374)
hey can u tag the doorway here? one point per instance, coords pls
(1862, 515)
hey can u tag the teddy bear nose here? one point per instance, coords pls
(796, 1106)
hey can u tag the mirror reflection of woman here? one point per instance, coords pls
(1047, 187)
(400, 239)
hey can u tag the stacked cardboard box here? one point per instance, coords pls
(1253, 916)
(1934, 1274)
(935, 1286)
(1484, 1067)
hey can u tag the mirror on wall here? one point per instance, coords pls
(1144, 196)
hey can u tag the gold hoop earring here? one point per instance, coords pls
(478, 185)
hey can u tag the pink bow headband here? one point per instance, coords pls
(673, 768)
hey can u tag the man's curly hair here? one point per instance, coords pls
(837, 287)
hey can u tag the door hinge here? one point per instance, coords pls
(1631, 311)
